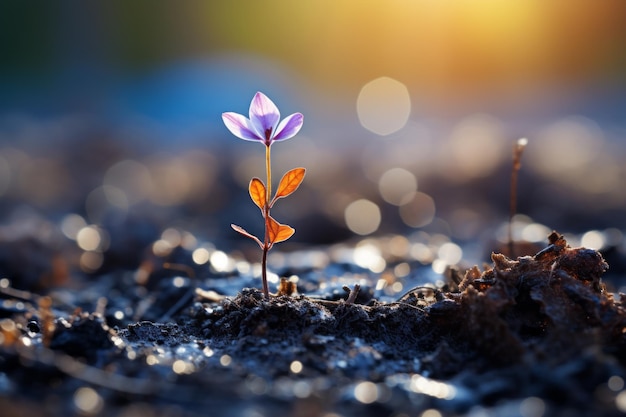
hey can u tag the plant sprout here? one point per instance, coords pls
(264, 126)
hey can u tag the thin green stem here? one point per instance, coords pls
(266, 215)
(268, 170)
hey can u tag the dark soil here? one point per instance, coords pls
(536, 336)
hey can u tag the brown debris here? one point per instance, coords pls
(286, 287)
(541, 305)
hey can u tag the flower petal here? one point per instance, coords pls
(264, 115)
(240, 126)
(289, 127)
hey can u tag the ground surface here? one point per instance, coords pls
(539, 335)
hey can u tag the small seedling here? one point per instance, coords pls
(264, 126)
(518, 149)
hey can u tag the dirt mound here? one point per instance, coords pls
(539, 331)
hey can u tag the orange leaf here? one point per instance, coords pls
(245, 233)
(289, 183)
(278, 232)
(257, 192)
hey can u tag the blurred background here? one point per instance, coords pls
(111, 130)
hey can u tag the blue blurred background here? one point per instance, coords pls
(110, 114)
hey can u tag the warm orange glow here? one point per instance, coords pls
(442, 51)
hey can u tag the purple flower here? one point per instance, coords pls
(263, 125)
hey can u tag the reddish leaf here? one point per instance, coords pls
(278, 232)
(289, 183)
(257, 192)
(245, 233)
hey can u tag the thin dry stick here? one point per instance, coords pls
(353, 294)
(517, 164)
(180, 267)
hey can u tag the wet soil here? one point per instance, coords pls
(538, 335)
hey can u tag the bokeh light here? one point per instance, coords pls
(397, 186)
(201, 256)
(368, 255)
(615, 383)
(574, 154)
(72, 224)
(620, 401)
(532, 407)
(91, 261)
(432, 387)
(475, 148)
(567, 146)
(296, 367)
(593, 239)
(130, 177)
(91, 238)
(384, 106)
(450, 253)
(88, 401)
(366, 392)
(362, 217)
(225, 360)
(419, 211)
